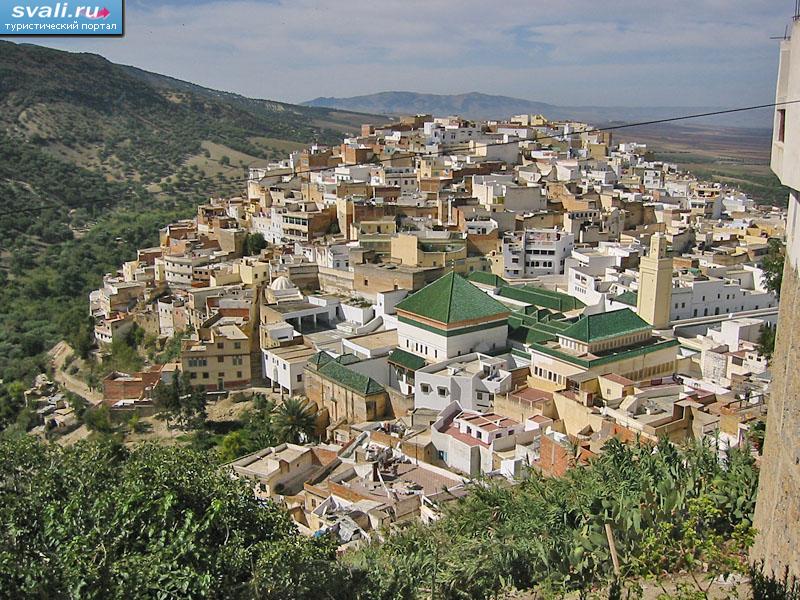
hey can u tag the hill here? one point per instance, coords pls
(94, 157)
(474, 105)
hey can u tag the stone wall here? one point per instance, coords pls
(777, 517)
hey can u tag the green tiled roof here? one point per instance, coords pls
(611, 357)
(320, 359)
(592, 328)
(628, 298)
(452, 299)
(541, 297)
(357, 382)
(405, 359)
(347, 359)
(486, 278)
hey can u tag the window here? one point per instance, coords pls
(426, 389)
(192, 375)
(781, 124)
(238, 374)
(220, 345)
(442, 391)
(237, 345)
(300, 378)
(205, 374)
(220, 359)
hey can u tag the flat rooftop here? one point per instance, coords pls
(294, 354)
(295, 306)
(377, 340)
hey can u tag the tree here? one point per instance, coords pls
(96, 520)
(12, 401)
(98, 419)
(181, 401)
(233, 446)
(766, 340)
(260, 426)
(773, 266)
(254, 243)
(668, 509)
(295, 421)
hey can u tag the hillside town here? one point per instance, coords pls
(456, 299)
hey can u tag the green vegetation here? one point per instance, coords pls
(294, 421)
(773, 266)
(99, 521)
(181, 403)
(254, 243)
(668, 510)
(766, 340)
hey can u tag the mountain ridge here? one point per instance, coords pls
(479, 105)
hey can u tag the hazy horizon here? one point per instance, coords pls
(579, 55)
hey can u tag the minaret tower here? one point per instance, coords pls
(655, 284)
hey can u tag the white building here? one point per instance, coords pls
(283, 367)
(449, 318)
(501, 190)
(472, 381)
(473, 443)
(536, 252)
(696, 295)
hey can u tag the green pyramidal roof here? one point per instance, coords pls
(628, 298)
(452, 299)
(592, 328)
(357, 382)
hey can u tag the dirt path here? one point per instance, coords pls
(58, 354)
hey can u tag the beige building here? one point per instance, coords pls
(415, 251)
(345, 394)
(613, 342)
(219, 359)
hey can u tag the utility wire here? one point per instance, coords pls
(449, 150)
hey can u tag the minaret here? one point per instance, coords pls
(655, 284)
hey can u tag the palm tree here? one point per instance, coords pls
(296, 420)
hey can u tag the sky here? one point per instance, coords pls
(567, 52)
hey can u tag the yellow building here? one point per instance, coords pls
(414, 251)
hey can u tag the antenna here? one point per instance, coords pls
(785, 35)
(797, 10)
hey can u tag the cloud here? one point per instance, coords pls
(614, 52)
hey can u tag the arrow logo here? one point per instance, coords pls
(103, 14)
